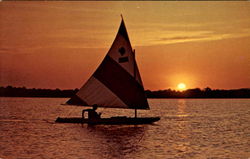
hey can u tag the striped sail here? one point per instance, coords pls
(116, 83)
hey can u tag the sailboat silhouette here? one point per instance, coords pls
(115, 84)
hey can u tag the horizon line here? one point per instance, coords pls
(144, 89)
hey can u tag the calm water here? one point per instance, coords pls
(189, 128)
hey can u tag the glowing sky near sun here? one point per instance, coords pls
(60, 44)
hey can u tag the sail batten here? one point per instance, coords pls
(116, 83)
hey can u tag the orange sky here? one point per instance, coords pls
(60, 44)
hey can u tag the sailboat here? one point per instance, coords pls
(116, 83)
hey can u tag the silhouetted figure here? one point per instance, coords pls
(92, 114)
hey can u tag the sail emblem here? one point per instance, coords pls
(123, 59)
(122, 51)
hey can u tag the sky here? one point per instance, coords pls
(60, 44)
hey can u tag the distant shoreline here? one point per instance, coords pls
(196, 93)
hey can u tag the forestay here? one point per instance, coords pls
(116, 83)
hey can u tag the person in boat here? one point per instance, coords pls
(92, 114)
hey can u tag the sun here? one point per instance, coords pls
(181, 86)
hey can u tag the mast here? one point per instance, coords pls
(135, 79)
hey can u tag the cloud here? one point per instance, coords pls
(4, 49)
(181, 38)
(158, 37)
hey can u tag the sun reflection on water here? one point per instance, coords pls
(181, 104)
(182, 137)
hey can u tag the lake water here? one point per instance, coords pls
(189, 128)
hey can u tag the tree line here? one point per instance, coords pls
(10, 91)
(200, 93)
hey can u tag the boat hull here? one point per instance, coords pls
(110, 121)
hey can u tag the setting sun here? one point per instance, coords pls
(181, 86)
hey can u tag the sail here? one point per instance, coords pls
(116, 83)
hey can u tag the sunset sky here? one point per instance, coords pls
(60, 44)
